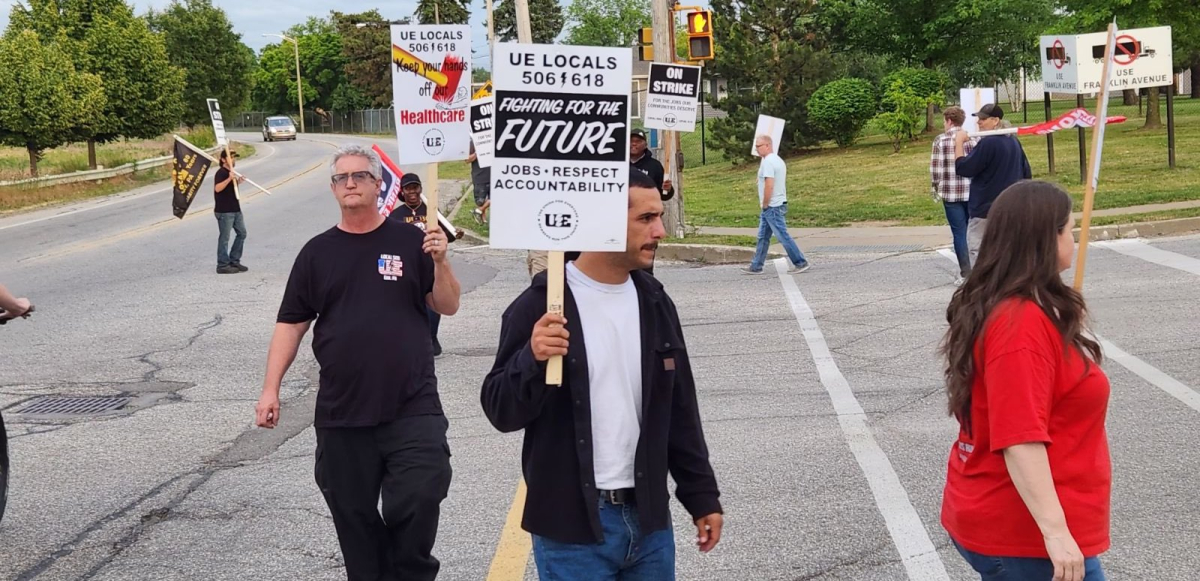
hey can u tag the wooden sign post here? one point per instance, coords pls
(1089, 195)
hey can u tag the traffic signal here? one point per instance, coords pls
(700, 36)
(646, 44)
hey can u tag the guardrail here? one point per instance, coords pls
(96, 174)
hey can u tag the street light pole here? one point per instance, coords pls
(299, 86)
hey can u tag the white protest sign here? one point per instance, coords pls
(214, 113)
(1141, 58)
(431, 89)
(771, 126)
(482, 113)
(1074, 64)
(672, 97)
(971, 99)
(560, 177)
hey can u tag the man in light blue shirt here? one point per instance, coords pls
(772, 198)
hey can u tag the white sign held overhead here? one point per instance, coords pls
(1073, 64)
(672, 97)
(971, 99)
(218, 123)
(560, 177)
(431, 89)
(767, 125)
(482, 113)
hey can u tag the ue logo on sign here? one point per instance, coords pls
(670, 119)
(434, 141)
(558, 220)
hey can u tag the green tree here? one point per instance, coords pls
(841, 108)
(367, 51)
(141, 86)
(216, 63)
(443, 11)
(983, 44)
(606, 22)
(545, 20)
(773, 58)
(1082, 16)
(44, 100)
(322, 69)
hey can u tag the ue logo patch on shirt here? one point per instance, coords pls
(390, 267)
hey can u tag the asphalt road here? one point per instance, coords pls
(820, 393)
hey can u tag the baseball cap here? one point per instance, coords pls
(639, 133)
(990, 110)
(410, 178)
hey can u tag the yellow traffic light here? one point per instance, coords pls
(647, 36)
(700, 35)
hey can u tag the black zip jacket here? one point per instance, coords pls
(653, 168)
(562, 502)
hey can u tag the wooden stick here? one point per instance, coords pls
(431, 206)
(1094, 162)
(556, 283)
(214, 160)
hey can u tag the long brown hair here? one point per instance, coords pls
(1018, 258)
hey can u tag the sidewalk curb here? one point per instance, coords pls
(1143, 229)
(708, 253)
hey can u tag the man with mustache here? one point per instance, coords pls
(598, 448)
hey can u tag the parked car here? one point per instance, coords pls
(278, 127)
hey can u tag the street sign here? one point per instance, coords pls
(672, 97)
(1073, 64)
(560, 179)
(431, 90)
(218, 123)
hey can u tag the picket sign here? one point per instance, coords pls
(214, 160)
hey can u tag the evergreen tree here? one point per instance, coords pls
(774, 60)
(443, 11)
(545, 20)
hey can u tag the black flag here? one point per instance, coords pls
(187, 173)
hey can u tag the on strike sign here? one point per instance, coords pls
(672, 97)
(560, 176)
(481, 130)
(431, 88)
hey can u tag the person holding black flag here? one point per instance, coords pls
(228, 211)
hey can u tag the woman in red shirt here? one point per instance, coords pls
(1028, 485)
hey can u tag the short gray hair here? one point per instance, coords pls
(358, 151)
(765, 139)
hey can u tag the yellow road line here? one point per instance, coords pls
(512, 552)
(93, 244)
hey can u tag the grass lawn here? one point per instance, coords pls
(868, 183)
(62, 159)
(1146, 217)
(463, 218)
(14, 162)
(716, 240)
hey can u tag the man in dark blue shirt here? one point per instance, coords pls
(996, 162)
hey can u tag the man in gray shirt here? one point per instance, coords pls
(772, 197)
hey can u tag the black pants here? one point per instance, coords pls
(407, 462)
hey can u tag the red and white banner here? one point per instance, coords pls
(1074, 118)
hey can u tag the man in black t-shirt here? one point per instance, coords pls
(414, 211)
(379, 422)
(229, 217)
(481, 184)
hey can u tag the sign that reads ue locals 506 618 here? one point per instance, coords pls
(560, 176)
(431, 88)
(672, 97)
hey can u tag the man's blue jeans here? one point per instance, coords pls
(773, 220)
(1022, 569)
(958, 216)
(625, 555)
(227, 221)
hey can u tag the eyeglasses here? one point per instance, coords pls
(358, 177)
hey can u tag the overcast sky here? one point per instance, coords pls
(254, 18)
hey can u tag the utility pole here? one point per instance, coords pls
(664, 52)
(491, 16)
(524, 30)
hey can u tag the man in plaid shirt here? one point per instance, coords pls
(950, 189)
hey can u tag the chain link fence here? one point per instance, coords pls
(363, 121)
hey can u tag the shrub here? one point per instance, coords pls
(841, 109)
(906, 117)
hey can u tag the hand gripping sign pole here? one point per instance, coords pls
(214, 160)
(1097, 147)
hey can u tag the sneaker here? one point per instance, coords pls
(240, 267)
(749, 270)
(227, 269)
(797, 269)
(437, 347)
(478, 215)
(959, 281)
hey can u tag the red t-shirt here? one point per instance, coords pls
(1027, 389)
